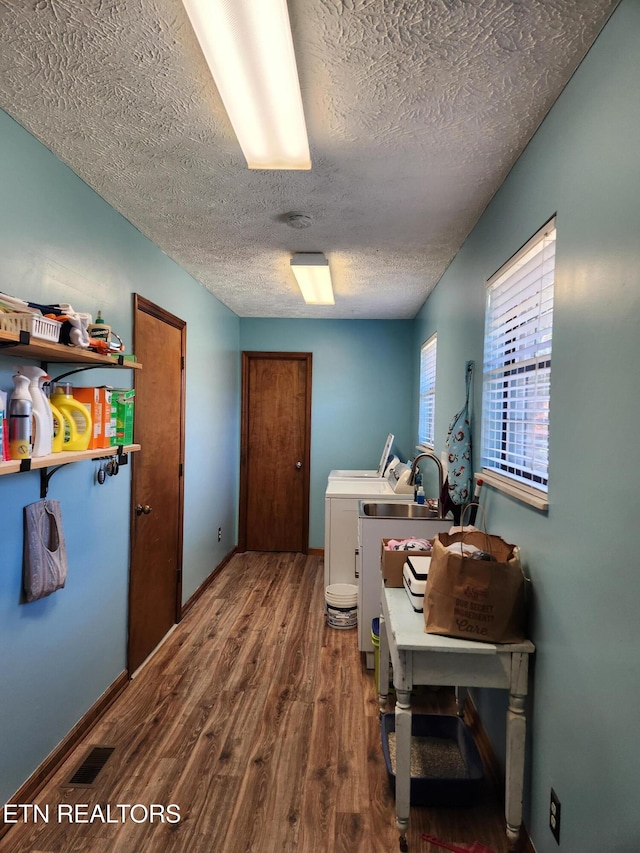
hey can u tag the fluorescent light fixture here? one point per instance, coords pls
(249, 49)
(312, 273)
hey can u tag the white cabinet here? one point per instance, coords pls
(341, 540)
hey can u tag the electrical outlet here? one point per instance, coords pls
(554, 815)
(219, 534)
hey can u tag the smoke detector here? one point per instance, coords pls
(298, 220)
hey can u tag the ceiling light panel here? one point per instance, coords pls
(249, 49)
(312, 273)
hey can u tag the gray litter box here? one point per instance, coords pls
(449, 769)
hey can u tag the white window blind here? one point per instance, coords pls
(517, 363)
(426, 419)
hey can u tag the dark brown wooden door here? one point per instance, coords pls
(275, 454)
(155, 586)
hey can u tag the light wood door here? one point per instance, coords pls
(275, 453)
(155, 584)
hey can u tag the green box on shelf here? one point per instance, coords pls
(122, 405)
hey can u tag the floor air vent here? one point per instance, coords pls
(86, 774)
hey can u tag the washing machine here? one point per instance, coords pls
(379, 473)
(341, 504)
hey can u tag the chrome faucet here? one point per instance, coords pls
(414, 471)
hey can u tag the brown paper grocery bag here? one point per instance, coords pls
(475, 599)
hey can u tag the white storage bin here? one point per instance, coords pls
(414, 579)
(39, 327)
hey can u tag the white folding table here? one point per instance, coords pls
(420, 658)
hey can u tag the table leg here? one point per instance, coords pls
(461, 698)
(403, 763)
(516, 732)
(383, 666)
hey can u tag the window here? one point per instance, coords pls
(426, 419)
(517, 370)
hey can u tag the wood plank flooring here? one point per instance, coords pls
(261, 725)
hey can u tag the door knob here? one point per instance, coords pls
(146, 509)
(298, 465)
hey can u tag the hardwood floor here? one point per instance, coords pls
(261, 725)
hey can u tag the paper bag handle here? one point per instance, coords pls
(484, 526)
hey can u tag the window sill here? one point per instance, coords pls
(520, 492)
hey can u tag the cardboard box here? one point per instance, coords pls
(95, 399)
(122, 412)
(109, 417)
(391, 563)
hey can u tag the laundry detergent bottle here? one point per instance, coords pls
(20, 413)
(42, 435)
(76, 417)
(58, 420)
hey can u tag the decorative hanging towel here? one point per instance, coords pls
(458, 446)
(45, 554)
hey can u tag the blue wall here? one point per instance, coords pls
(60, 242)
(361, 390)
(583, 554)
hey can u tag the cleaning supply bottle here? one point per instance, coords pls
(3, 426)
(42, 430)
(76, 416)
(20, 413)
(99, 330)
(58, 420)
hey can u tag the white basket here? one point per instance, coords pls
(39, 327)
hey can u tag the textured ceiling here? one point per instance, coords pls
(416, 110)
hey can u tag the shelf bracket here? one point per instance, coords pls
(24, 339)
(45, 475)
(118, 363)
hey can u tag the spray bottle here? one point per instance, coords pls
(20, 412)
(42, 435)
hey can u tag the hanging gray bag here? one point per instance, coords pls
(44, 568)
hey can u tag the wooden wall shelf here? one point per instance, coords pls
(46, 351)
(24, 345)
(13, 466)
